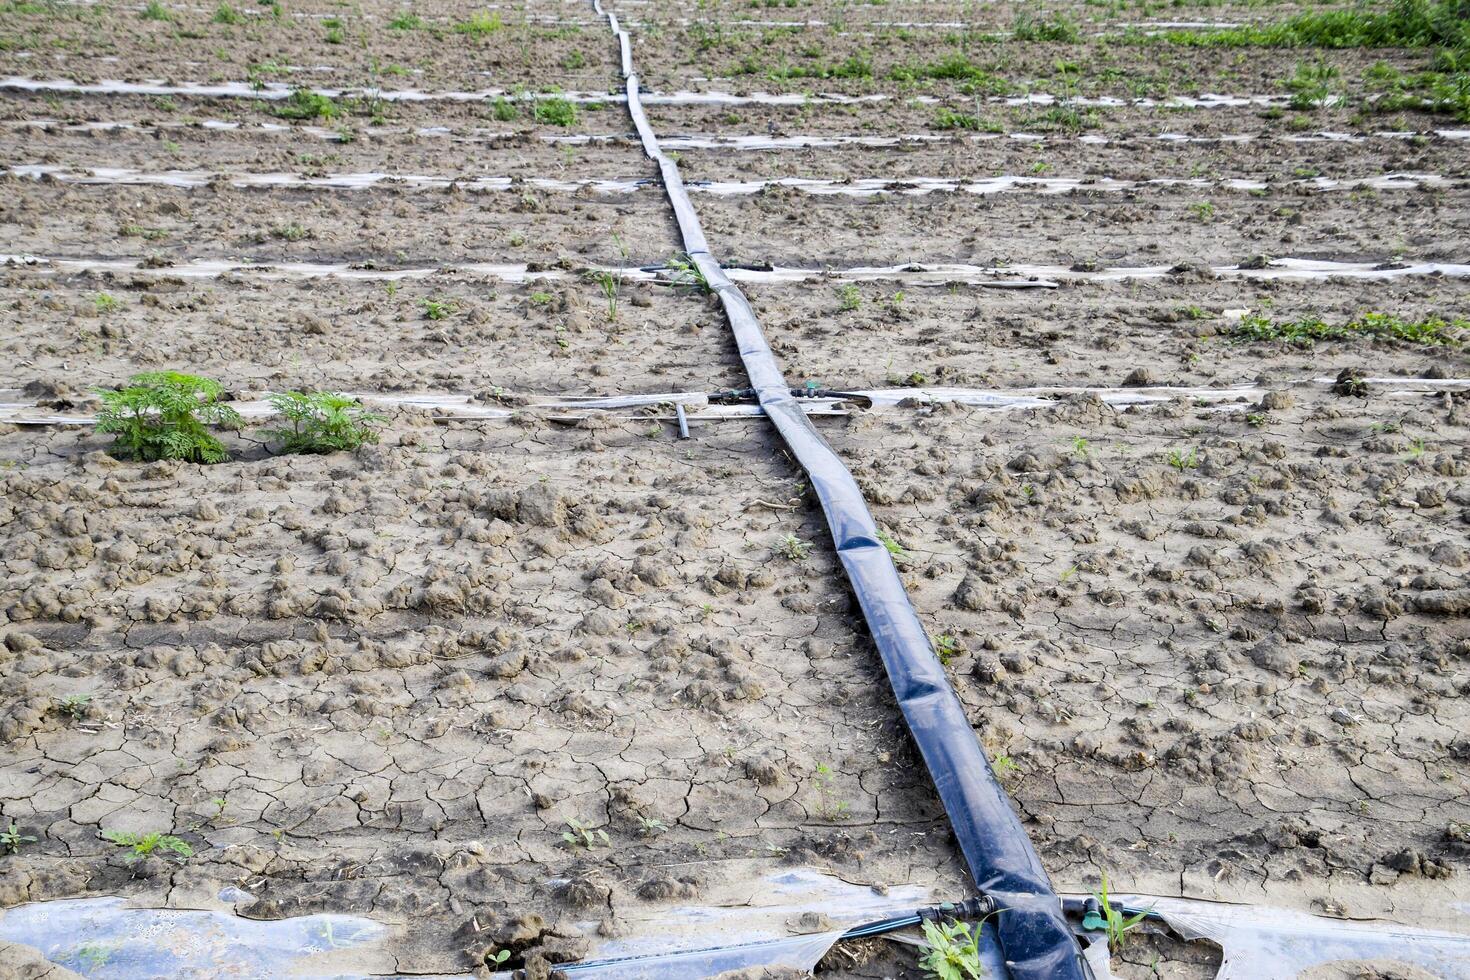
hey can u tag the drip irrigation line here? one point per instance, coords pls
(1034, 936)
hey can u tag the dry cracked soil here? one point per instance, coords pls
(536, 683)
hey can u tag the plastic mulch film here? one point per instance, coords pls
(1277, 944)
(1033, 934)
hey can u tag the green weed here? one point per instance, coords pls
(322, 422)
(1182, 460)
(166, 415)
(435, 309)
(303, 103)
(953, 951)
(155, 11)
(11, 838)
(580, 835)
(407, 21)
(1306, 331)
(829, 807)
(1313, 85)
(1060, 28)
(145, 845)
(480, 25)
(555, 111)
(794, 548)
(1118, 924)
(225, 14)
(849, 297)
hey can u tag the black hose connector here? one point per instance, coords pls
(971, 908)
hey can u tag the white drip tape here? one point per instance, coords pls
(450, 406)
(715, 141)
(506, 271)
(999, 277)
(337, 182)
(277, 91)
(858, 187)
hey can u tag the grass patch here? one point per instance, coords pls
(957, 68)
(555, 111)
(407, 21)
(1307, 331)
(1405, 24)
(306, 104)
(1059, 29)
(480, 25)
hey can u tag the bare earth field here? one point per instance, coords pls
(564, 683)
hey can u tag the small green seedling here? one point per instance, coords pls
(73, 705)
(1182, 461)
(581, 835)
(322, 422)
(106, 303)
(1004, 765)
(155, 11)
(435, 309)
(651, 826)
(894, 549)
(11, 838)
(954, 951)
(687, 274)
(303, 103)
(145, 845)
(830, 808)
(1113, 919)
(165, 415)
(1080, 447)
(849, 297)
(946, 647)
(497, 957)
(610, 285)
(480, 25)
(794, 548)
(555, 111)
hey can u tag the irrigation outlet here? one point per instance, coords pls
(1033, 933)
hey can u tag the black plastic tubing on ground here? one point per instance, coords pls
(1034, 936)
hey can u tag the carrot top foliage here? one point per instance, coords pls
(167, 415)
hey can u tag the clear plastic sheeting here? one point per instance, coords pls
(105, 938)
(1262, 943)
(795, 953)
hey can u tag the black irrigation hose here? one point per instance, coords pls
(1035, 938)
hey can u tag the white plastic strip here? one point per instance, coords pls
(940, 273)
(277, 91)
(339, 182)
(913, 274)
(717, 141)
(857, 187)
(509, 272)
(17, 410)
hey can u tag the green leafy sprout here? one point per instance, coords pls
(579, 834)
(166, 415)
(954, 951)
(1118, 924)
(322, 422)
(11, 838)
(145, 845)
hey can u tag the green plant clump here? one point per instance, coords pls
(555, 111)
(480, 25)
(954, 951)
(166, 415)
(155, 11)
(322, 422)
(303, 103)
(1304, 332)
(145, 845)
